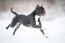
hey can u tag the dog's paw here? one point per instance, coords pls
(14, 33)
(6, 27)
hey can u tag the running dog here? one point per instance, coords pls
(27, 20)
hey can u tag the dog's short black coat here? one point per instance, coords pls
(27, 20)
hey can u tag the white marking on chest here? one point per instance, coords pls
(36, 19)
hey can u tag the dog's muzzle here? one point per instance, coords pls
(43, 14)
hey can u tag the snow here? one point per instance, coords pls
(54, 29)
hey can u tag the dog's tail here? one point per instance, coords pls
(13, 12)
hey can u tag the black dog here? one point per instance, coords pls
(27, 20)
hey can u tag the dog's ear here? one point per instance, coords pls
(37, 6)
(41, 5)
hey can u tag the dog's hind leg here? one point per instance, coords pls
(13, 23)
(17, 26)
(8, 26)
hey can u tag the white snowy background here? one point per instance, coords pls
(53, 22)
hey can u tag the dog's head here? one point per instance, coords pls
(40, 10)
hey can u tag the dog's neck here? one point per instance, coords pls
(35, 17)
(33, 13)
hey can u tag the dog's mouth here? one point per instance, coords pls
(43, 14)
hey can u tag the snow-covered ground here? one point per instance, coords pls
(54, 29)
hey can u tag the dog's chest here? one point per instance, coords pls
(36, 19)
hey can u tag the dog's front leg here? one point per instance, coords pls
(36, 26)
(32, 21)
(43, 32)
(17, 26)
(39, 21)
